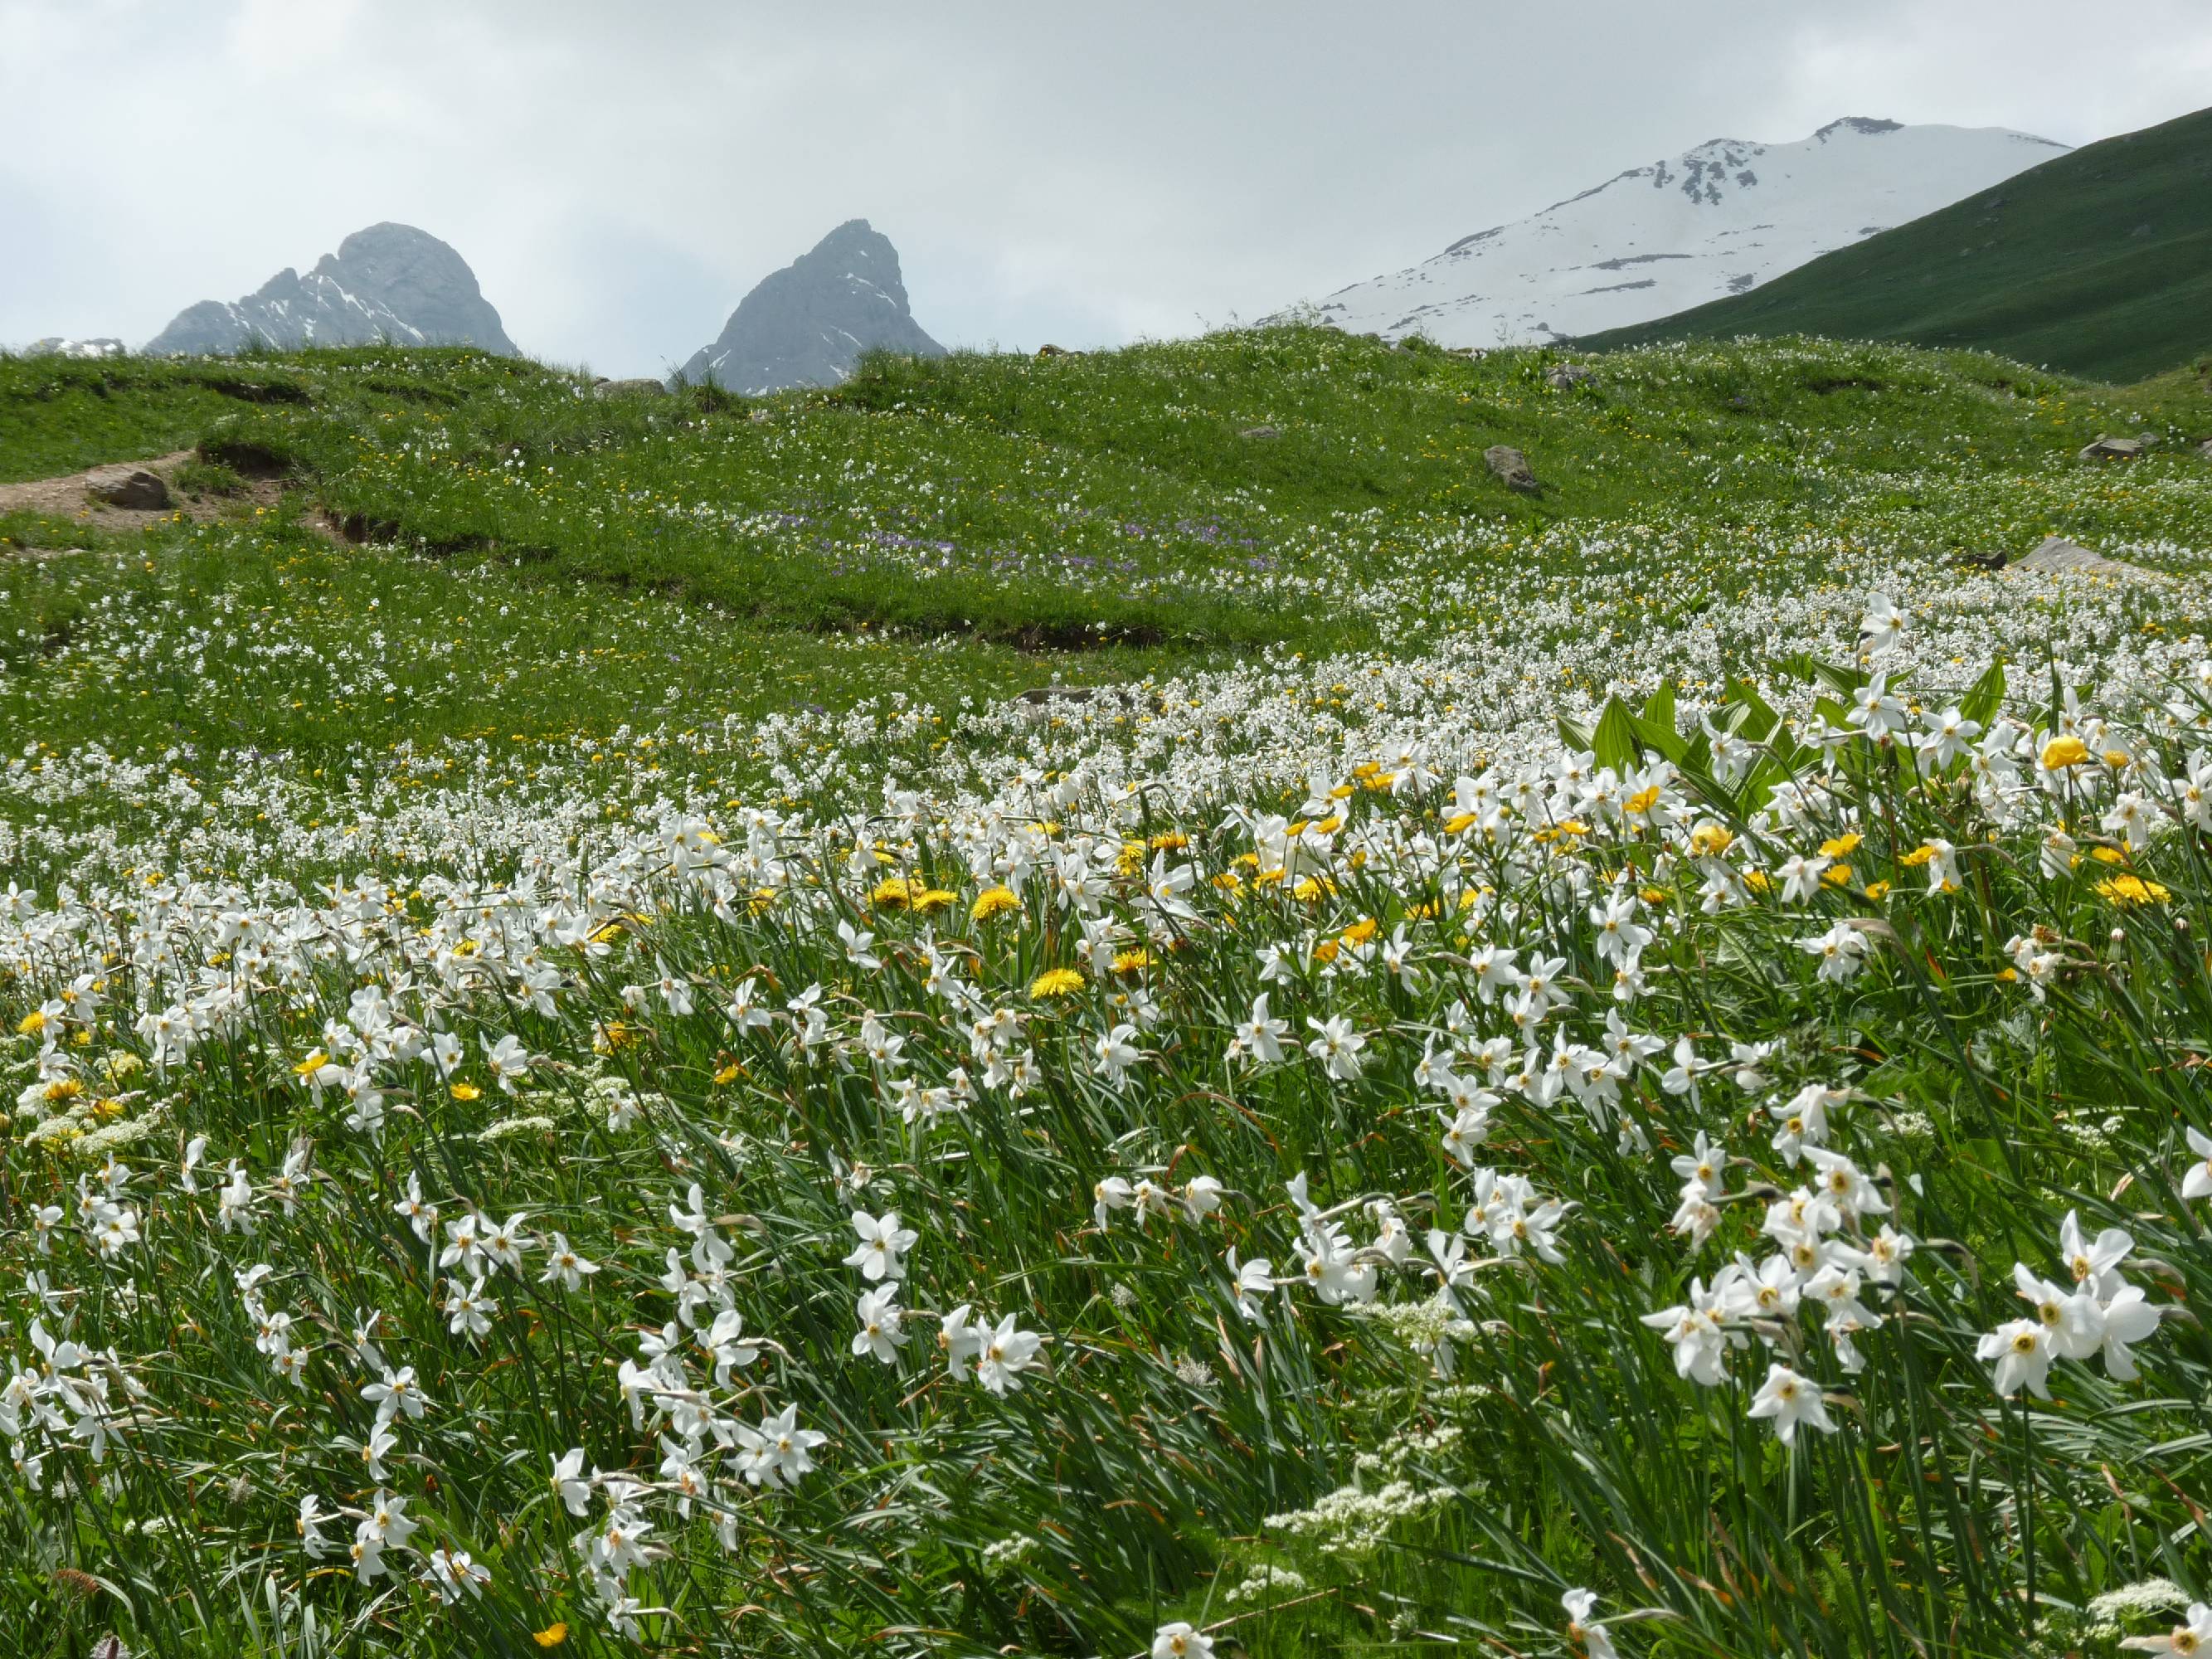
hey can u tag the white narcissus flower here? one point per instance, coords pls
(1581, 1628)
(879, 1313)
(568, 1483)
(2192, 1636)
(1005, 1353)
(1336, 1045)
(880, 1254)
(1179, 1641)
(1786, 1399)
(2197, 1180)
(2023, 1351)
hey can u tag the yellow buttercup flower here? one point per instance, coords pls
(1841, 847)
(552, 1636)
(465, 1091)
(2064, 751)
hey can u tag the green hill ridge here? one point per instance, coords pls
(2098, 263)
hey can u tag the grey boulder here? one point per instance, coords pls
(1567, 376)
(629, 389)
(2111, 449)
(2055, 553)
(127, 486)
(1511, 466)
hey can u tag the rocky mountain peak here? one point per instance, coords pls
(389, 281)
(807, 324)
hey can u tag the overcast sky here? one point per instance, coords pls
(618, 175)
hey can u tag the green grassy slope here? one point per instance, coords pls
(2098, 263)
(535, 563)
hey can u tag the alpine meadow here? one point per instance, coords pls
(1143, 1001)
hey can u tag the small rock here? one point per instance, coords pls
(2205, 449)
(630, 389)
(1040, 696)
(127, 486)
(760, 417)
(2057, 553)
(1262, 432)
(2111, 449)
(1511, 464)
(1566, 376)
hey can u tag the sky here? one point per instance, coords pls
(619, 176)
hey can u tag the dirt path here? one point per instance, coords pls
(67, 497)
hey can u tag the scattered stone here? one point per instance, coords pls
(1566, 376)
(1043, 696)
(127, 486)
(2056, 553)
(760, 417)
(2205, 449)
(1511, 464)
(1260, 431)
(629, 389)
(2111, 449)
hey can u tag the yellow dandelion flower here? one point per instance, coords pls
(993, 902)
(2133, 889)
(1055, 983)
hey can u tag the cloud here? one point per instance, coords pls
(619, 178)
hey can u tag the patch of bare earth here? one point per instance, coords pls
(71, 496)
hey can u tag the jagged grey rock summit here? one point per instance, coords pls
(388, 283)
(808, 324)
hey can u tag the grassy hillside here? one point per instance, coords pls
(578, 1073)
(2098, 263)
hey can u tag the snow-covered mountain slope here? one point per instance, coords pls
(1723, 218)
